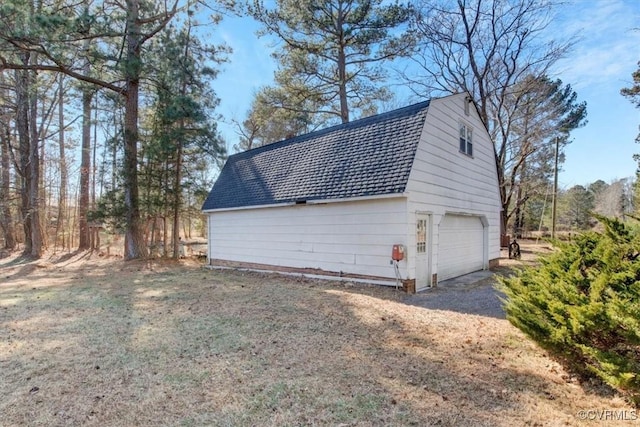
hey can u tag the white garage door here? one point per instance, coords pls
(461, 247)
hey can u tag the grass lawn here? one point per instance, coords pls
(100, 342)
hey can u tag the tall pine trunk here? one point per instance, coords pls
(135, 246)
(62, 199)
(85, 168)
(84, 241)
(95, 231)
(22, 130)
(6, 220)
(342, 72)
(166, 211)
(37, 236)
(177, 202)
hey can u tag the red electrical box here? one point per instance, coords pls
(397, 254)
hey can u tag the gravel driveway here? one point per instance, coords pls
(471, 294)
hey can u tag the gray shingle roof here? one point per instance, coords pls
(367, 157)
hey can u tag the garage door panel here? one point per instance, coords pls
(461, 246)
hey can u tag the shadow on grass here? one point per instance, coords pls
(194, 347)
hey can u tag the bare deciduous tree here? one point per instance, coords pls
(493, 49)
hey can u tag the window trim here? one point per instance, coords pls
(467, 139)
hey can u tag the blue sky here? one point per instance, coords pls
(600, 64)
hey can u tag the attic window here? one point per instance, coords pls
(466, 139)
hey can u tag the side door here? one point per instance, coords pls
(422, 250)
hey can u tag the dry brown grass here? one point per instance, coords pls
(88, 341)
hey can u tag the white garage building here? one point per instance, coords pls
(335, 202)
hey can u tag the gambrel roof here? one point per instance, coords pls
(367, 157)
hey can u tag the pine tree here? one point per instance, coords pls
(331, 52)
(182, 120)
(633, 92)
(583, 304)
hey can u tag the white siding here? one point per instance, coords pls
(444, 180)
(352, 237)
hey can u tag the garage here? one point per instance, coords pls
(335, 201)
(462, 246)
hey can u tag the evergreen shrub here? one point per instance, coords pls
(582, 303)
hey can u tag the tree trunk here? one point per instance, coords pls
(39, 135)
(85, 167)
(92, 203)
(95, 230)
(177, 201)
(518, 215)
(37, 236)
(166, 211)
(62, 199)
(22, 128)
(114, 156)
(342, 73)
(6, 220)
(134, 240)
(84, 241)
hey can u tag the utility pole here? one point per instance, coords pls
(555, 192)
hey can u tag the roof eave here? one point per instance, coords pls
(312, 202)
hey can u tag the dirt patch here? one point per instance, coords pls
(95, 341)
